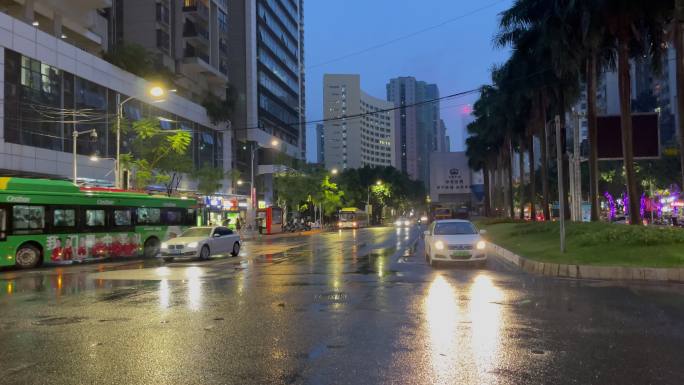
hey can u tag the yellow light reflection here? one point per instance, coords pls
(164, 294)
(442, 321)
(10, 287)
(486, 321)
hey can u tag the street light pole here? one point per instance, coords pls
(74, 135)
(561, 191)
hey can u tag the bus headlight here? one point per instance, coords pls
(407, 223)
(339, 224)
(439, 245)
(480, 245)
(353, 224)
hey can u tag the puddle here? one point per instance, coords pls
(56, 321)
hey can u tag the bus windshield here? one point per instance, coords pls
(197, 232)
(345, 217)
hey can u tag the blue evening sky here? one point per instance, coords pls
(456, 56)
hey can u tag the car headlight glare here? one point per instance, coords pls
(480, 245)
(164, 245)
(397, 223)
(406, 223)
(192, 245)
(439, 245)
(353, 224)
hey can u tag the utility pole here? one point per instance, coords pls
(561, 192)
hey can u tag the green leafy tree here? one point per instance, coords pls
(137, 60)
(157, 156)
(331, 196)
(209, 179)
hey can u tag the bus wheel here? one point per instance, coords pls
(28, 256)
(151, 248)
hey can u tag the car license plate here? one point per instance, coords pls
(460, 254)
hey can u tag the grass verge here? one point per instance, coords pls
(591, 243)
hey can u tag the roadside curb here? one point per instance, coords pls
(282, 235)
(619, 273)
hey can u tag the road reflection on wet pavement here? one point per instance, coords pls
(351, 307)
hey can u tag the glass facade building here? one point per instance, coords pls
(43, 105)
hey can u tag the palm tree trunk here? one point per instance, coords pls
(679, 66)
(544, 158)
(509, 175)
(624, 89)
(487, 202)
(521, 161)
(566, 162)
(593, 137)
(533, 189)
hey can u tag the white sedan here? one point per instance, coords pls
(454, 240)
(202, 243)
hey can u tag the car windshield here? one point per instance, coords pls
(197, 232)
(455, 228)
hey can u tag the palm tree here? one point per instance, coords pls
(477, 150)
(637, 27)
(539, 29)
(678, 29)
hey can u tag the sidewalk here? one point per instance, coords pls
(251, 235)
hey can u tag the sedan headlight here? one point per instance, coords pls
(439, 245)
(480, 245)
(164, 245)
(192, 245)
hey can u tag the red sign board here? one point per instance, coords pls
(645, 136)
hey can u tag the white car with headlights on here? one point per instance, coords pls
(202, 243)
(454, 240)
(402, 222)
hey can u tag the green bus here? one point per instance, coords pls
(55, 221)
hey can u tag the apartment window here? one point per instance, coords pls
(163, 40)
(222, 22)
(162, 13)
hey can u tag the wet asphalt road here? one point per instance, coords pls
(336, 308)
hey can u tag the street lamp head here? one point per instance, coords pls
(334, 171)
(240, 183)
(379, 182)
(274, 142)
(157, 92)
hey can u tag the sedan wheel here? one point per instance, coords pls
(236, 249)
(204, 253)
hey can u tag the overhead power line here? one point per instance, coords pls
(406, 36)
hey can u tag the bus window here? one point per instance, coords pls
(3, 224)
(148, 216)
(172, 216)
(28, 219)
(95, 217)
(63, 218)
(122, 217)
(190, 218)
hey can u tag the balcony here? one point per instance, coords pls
(197, 62)
(196, 33)
(196, 9)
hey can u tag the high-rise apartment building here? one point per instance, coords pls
(50, 65)
(188, 37)
(266, 69)
(358, 129)
(418, 130)
(320, 143)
